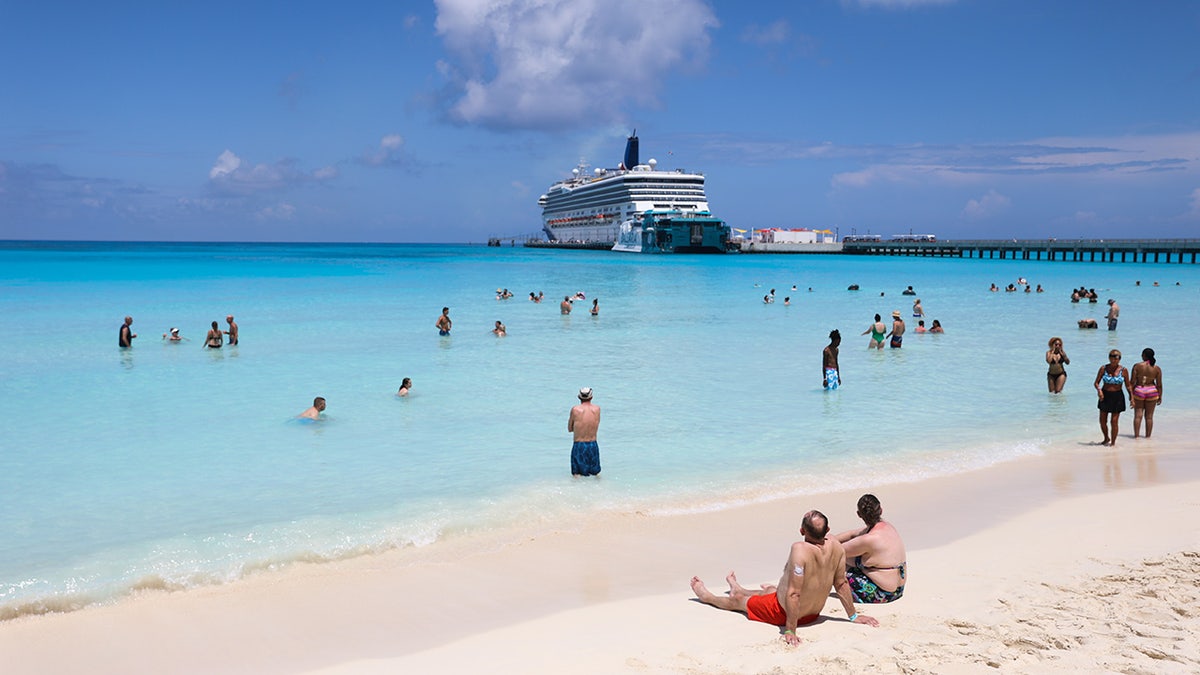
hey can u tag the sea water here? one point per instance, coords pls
(169, 466)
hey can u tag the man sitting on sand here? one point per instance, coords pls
(877, 568)
(813, 567)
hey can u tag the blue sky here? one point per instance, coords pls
(444, 121)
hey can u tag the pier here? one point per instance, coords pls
(1068, 250)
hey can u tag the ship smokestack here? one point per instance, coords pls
(631, 151)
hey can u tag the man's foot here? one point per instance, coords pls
(701, 590)
(734, 586)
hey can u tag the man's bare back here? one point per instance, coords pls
(584, 421)
(809, 574)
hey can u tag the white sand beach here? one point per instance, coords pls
(1086, 560)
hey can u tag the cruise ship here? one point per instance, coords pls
(592, 205)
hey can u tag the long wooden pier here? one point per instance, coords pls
(1069, 250)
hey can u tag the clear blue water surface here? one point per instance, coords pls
(167, 465)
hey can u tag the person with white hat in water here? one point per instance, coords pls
(897, 333)
(584, 422)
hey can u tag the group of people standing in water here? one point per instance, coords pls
(1143, 385)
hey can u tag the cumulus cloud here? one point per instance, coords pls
(986, 206)
(233, 176)
(389, 152)
(557, 64)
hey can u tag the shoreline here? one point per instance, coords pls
(420, 604)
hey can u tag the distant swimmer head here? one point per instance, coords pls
(174, 331)
(585, 394)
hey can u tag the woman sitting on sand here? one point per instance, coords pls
(876, 566)
(1147, 392)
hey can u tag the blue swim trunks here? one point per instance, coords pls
(897, 341)
(443, 333)
(831, 378)
(585, 458)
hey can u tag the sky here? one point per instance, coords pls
(445, 121)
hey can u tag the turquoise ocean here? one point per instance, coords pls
(169, 466)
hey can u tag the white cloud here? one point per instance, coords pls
(231, 175)
(986, 206)
(389, 153)
(564, 63)
(226, 164)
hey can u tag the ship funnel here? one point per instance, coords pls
(631, 151)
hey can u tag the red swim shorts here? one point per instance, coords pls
(765, 608)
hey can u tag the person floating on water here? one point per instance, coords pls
(173, 335)
(405, 387)
(499, 330)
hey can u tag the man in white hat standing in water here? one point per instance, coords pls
(584, 422)
(897, 333)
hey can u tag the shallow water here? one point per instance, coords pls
(167, 465)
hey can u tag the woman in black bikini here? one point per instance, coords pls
(215, 338)
(1056, 376)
